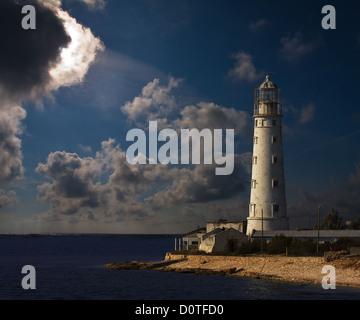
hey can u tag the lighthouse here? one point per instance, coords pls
(267, 208)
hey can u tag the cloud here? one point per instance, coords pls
(201, 185)
(72, 180)
(257, 25)
(108, 187)
(87, 149)
(343, 195)
(77, 57)
(303, 115)
(33, 64)
(104, 185)
(295, 47)
(27, 56)
(307, 113)
(212, 116)
(6, 198)
(94, 4)
(244, 69)
(156, 102)
(10, 145)
(112, 78)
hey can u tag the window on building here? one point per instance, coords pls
(263, 123)
(274, 159)
(256, 123)
(275, 183)
(273, 139)
(252, 209)
(274, 122)
(254, 160)
(275, 209)
(255, 140)
(253, 183)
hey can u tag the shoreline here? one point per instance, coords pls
(270, 267)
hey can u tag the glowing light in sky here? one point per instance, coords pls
(77, 57)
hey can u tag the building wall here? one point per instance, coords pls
(219, 242)
(207, 244)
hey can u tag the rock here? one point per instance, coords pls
(334, 255)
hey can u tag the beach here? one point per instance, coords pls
(276, 267)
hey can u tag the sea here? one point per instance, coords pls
(72, 267)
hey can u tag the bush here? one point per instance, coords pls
(302, 248)
(278, 244)
(250, 247)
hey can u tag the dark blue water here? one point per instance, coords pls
(71, 267)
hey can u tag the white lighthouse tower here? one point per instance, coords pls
(267, 209)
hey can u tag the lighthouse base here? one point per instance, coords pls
(266, 224)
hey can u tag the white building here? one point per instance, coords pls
(267, 209)
(190, 240)
(218, 236)
(222, 240)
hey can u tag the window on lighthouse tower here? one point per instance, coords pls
(253, 183)
(275, 208)
(275, 183)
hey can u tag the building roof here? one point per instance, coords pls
(268, 84)
(193, 233)
(217, 231)
(308, 233)
(212, 232)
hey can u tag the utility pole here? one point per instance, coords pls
(262, 230)
(318, 232)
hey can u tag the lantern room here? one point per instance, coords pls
(267, 100)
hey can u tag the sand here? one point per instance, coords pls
(276, 267)
(296, 269)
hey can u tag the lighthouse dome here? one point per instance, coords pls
(268, 84)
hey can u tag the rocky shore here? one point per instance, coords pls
(295, 269)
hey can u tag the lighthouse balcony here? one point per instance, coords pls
(267, 111)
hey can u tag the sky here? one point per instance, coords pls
(71, 89)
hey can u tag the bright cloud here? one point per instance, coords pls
(244, 69)
(77, 57)
(155, 102)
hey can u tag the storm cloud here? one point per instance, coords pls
(108, 186)
(201, 185)
(33, 64)
(26, 56)
(105, 184)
